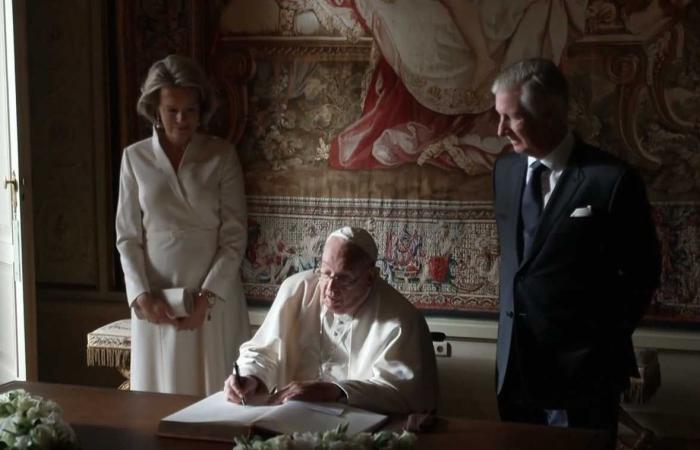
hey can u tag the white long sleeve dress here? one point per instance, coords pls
(184, 228)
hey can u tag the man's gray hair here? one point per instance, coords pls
(178, 71)
(543, 86)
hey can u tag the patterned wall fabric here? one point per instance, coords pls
(359, 112)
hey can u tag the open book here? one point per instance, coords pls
(213, 418)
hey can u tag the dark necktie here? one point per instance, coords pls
(531, 207)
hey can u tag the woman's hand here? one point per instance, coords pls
(155, 309)
(199, 312)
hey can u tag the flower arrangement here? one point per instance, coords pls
(29, 422)
(337, 439)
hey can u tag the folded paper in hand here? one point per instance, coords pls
(179, 299)
(585, 211)
(216, 419)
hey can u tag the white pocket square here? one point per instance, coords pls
(584, 211)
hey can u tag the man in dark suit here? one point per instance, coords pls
(579, 260)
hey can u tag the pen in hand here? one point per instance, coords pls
(237, 376)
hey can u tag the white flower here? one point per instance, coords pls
(322, 151)
(363, 440)
(331, 440)
(30, 422)
(42, 435)
(22, 443)
(340, 445)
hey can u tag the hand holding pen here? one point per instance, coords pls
(239, 383)
(238, 388)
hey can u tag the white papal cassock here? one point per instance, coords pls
(184, 228)
(382, 356)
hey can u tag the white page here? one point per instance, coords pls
(326, 408)
(360, 420)
(217, 419)
(216, 409)
(294, 416)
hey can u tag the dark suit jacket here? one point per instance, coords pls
(574, 300)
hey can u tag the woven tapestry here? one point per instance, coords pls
(443, 256)
(379, 114)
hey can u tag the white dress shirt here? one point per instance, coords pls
(555, 162)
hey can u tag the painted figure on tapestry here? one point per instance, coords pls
(634, 16)
(404, 91)
(304, 257)
(428, 100)
(425, 99)
(270, 259)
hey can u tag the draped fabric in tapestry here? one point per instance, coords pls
(379, 114)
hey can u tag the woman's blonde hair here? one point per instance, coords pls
(179, 71)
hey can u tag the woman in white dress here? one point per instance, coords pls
(181, 223)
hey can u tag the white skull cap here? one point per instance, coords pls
(359, 237)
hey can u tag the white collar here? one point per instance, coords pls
(556, 159)
(194, 142)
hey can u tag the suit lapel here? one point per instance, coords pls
(569, 182)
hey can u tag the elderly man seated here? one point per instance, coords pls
(341, 333)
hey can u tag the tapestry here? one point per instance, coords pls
(441, 255)
(379, 114)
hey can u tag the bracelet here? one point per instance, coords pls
(210, 297)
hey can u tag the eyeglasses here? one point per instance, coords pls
(340, 280)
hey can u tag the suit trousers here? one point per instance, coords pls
(600, 412)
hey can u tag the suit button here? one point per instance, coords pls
(510, 314)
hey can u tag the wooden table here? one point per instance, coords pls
(108, 419)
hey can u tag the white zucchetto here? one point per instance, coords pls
(359, 237)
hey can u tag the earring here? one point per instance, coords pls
(158, 123)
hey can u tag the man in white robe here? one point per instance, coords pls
(341, 333)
